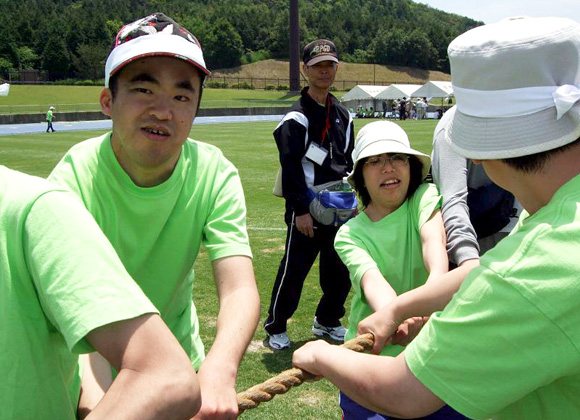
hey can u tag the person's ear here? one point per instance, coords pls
(106, 100)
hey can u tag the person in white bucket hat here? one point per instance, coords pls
(396, 243)
(507, 345)
(159, 196)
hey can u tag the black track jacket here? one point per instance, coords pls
(331, 127)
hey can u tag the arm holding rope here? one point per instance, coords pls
(380, 383)
(155, 377)
(420, 302)
(377, 290)
(237, 320)
(281, 383)
(405, 311)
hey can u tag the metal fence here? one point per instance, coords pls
(27, 76)
(284, 83)
(232, 82)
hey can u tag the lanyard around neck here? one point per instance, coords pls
(327, 122)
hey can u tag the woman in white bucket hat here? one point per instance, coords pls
(397, 241)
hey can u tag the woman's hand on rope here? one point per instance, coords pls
(382, 325)
(387, 328)
(305, 357)
(307, 368)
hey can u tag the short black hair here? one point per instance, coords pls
(114, 84)
(416, 168)
(537, 161)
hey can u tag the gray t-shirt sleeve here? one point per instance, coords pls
(450, 173)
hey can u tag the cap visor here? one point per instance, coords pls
(321, 58)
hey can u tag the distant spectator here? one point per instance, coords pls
(403, 109)
(409, 107)
(49, 118)
(421, 108)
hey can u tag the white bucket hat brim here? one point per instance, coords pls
(517, 88)
(504, 138)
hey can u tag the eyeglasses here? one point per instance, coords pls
(398, 159)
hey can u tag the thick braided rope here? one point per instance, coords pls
(282, 383)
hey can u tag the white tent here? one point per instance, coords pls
(434, 90)
(362, 96)
(362, 93)
(397, 91)
(4, 89)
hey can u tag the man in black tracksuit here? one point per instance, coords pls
(315, 141)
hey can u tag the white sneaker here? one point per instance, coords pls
(278, 341)
(334, 333)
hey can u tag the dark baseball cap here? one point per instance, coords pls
(319, 50)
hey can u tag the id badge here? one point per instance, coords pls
(316, 153)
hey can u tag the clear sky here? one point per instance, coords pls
(490, 11)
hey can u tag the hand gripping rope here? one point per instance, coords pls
(282, 383)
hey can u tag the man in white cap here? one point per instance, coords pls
(507, 345)
(158, 196)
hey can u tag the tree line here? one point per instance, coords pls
(71, 38)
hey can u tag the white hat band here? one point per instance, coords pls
(516, 102)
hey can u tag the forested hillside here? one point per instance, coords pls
(70, 39)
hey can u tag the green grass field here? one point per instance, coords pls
(25, 99)
(251, 148)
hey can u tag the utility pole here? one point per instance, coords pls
(294, 47)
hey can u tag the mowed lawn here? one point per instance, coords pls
(251, 148)
(25, 99)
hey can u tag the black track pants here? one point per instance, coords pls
(301, 252)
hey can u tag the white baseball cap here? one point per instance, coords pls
(153, 35)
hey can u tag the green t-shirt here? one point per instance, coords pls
(49, 115)
(508, 344)
(157, 231)
(392, 245)
(59, 279)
